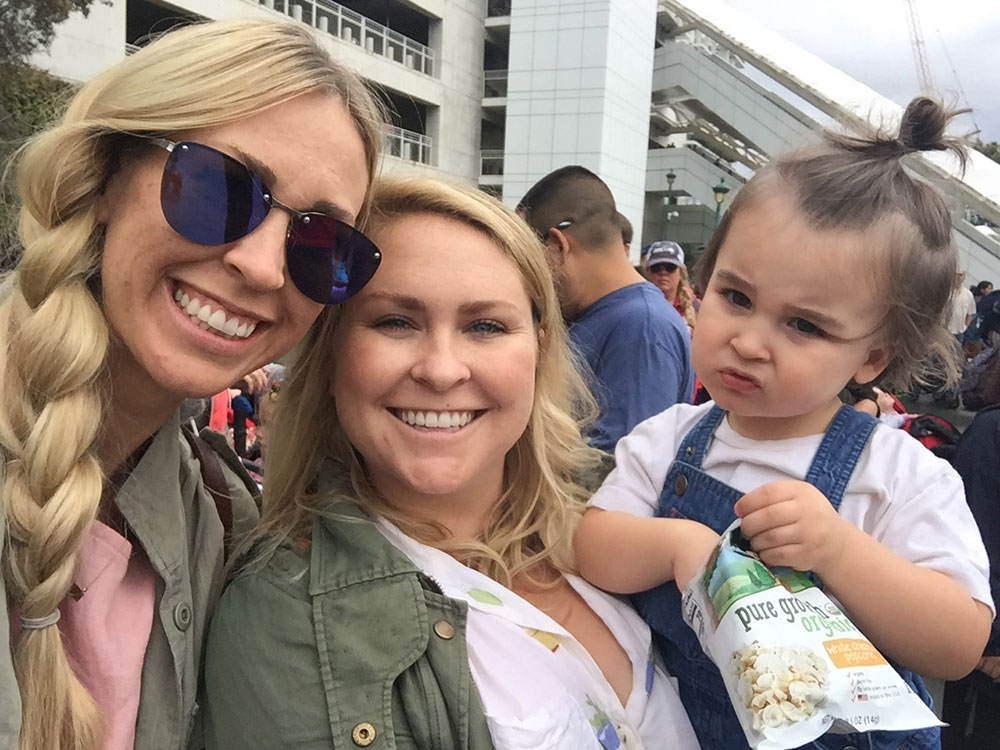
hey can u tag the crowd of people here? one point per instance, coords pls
(480, 481)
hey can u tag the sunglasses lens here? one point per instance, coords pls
(328, 260)
(210, 198)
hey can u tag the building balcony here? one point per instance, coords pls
(350, 26)
(494, 84)
(408, 146)
(491, 170)
(496, 8)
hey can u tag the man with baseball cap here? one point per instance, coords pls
(635, 343)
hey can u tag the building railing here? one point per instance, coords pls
(407, 145)
(336, 20)
(494, 83)
(491, 162)
(497, 8)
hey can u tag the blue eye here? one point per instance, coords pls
(736, 298)
(487, 327)
(805, 327)
(392, 323)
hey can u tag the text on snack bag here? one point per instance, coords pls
(812, 618)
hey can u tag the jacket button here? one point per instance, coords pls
(689, 451)
(444, 630)
(182, 616)
(363, 734)
(681, 484)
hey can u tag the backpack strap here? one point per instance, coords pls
(215, 482)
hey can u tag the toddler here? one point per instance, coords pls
(832, 266)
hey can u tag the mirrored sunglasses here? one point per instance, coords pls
(210, 198)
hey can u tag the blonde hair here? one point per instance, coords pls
(542, 498)
(684, 300)
(53, 331)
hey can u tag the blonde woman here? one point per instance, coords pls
(414, 584)
(157, 265)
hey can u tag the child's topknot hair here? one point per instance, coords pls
(859, 183)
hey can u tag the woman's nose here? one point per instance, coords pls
(260, 256)
(441, 364)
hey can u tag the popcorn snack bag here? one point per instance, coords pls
(794, 665)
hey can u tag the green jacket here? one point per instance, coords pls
(345, 646)
(175, 519)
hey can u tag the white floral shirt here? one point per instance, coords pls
(539, 686)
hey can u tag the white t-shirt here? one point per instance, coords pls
(963, 304)
(540, 688)
(900, 493)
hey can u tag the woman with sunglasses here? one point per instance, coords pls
(413, 583)
(157, 265)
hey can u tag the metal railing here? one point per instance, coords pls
(407, 145)
(497, 8)
(337, 21)
(494, 83)
(491, 162)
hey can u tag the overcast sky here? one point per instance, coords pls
(870, 41)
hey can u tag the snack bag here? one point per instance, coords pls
(794, 665)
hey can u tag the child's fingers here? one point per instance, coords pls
(787, 555)
(762, 497)
(768, 517)
(777, 536)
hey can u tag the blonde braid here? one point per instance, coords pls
(55, 340)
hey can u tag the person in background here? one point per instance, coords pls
(785, 324)
(972, 704)
(962, 308)
(626, 226)
(157, 266)
(414, 583)
(981, 289)
(663, 262)
(635, 345)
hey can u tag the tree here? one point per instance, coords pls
(29, 99)
(28, 25)
(991, 149)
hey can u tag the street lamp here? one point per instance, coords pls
(720, 191)
(670, 187)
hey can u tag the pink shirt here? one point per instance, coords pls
(106, 631)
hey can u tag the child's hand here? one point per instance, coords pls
(792, 523)
(692, 550)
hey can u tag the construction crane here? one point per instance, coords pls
(919, 48)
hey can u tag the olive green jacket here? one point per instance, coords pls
(345, 646)
(175, 519)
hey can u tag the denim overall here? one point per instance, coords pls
(690, 493)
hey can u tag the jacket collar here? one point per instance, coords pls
(347, 547)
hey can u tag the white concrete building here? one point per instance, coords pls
(673, 102)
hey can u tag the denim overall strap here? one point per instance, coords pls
(830, 471)
(838, 453)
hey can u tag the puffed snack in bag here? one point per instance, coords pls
(794, 665)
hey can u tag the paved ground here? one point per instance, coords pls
(925, 405)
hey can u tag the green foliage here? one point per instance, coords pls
(29, 99)
(991, 149)
(27, 25)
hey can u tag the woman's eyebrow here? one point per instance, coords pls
(263, 171)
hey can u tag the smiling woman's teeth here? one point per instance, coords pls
(438, 419)
(215, 320)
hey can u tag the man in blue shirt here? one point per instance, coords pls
(635, 343)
